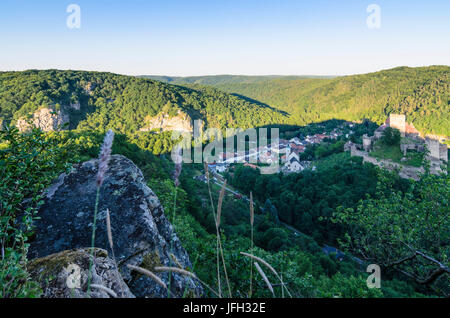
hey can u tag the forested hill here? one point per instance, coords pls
(222, 79)
(423, 94)
(103, 100)
(123, 102)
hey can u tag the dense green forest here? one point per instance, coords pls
(307, 200)
(123, 102)
(423, 94)
(370, 213)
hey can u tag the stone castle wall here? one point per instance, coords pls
(443, 152)
(434, 147)
(404, 171)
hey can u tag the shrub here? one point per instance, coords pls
(28, 163)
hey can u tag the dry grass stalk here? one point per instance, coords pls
(105, 155)
(148, 274)
(186, 273)
(252, 212)
(205, 166)
(219, 204)
(111, 244)
(108, 230)
(176, 270)
(105, 289)
(219, 243)
(175, 260)
(252, 218)
(256, 258)
(263, 275)
(177, 159)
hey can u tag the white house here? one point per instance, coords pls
(290, 153)
(296, 140)
(293, 162)
(294, 165)
(221, 167)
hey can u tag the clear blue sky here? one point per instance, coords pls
(203, 37)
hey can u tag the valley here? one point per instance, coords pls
(224, 157)
(332, 204)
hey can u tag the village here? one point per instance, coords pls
(288, 152)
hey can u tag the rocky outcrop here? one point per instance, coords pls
(89, 88)
(65, 275)
(47, 119)
(182, 122)
(141, 233)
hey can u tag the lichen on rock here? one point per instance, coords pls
(151, 260)
(65, 274)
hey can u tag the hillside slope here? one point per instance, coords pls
(222, 79)
(423, 94)
(103, 100)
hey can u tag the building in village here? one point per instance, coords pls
(316, 139)
(292, 162)
(296, 141)
(292, 157)
(250, 165)
(217, 167)
(293, 165)
(298, 148)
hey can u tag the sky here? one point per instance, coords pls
(209, 37)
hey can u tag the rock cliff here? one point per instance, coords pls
(141, 233)
(182, 122)
(47, 119)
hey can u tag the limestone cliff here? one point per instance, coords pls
(47, 119)
(181, 122)
(142, 235)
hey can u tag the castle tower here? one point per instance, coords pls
(367, 143)
(443, 152)
(433, 147)
(399, 122)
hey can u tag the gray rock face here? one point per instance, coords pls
(182, 123)
(141, 233)
(65, 275)
(47, 119)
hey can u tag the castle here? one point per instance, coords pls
(398, 122)
(413, 140)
